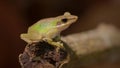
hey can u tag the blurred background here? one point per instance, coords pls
(17, 15)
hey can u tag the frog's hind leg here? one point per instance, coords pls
(25, 38)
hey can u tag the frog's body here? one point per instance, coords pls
(48, 28)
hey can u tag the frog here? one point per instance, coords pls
(48, 28)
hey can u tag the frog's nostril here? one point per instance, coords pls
(64, 20)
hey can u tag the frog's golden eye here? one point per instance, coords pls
(64, 20)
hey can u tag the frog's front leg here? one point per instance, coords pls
(57, 38)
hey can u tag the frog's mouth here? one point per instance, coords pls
(63, 25)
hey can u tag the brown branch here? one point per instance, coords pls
(44, 54)
(102, 43)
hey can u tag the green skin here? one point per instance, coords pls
(48, 28)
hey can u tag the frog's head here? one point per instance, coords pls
(64, 21)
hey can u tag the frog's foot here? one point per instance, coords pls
(47, 39)
(57, 44)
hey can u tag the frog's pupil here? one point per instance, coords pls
(64, 20)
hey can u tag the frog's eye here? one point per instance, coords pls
(64, 20)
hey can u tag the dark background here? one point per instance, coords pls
(17, 15)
